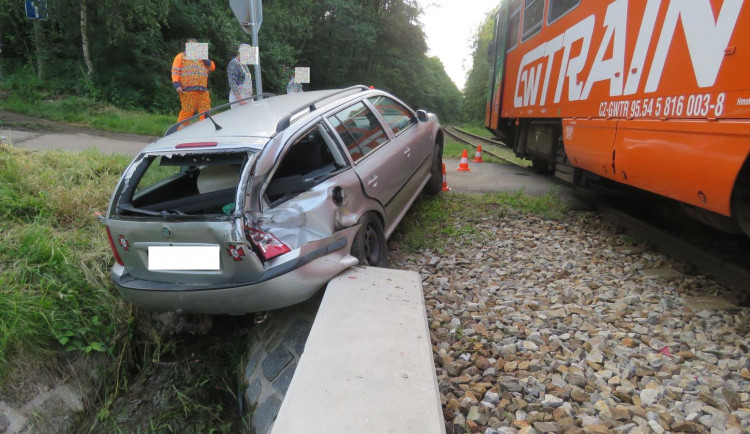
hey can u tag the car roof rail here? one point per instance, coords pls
(211, 111)
(311, 106)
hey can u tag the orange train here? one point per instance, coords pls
(654, 94)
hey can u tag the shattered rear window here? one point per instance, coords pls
(185, 184)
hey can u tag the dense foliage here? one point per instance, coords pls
(131, 45)
(475, 90)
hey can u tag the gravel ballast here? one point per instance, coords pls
(565, 325)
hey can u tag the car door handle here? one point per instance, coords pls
(407, 151)
(373, 182)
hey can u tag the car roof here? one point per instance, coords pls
(254, 122)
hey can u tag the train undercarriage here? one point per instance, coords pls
(541, 142)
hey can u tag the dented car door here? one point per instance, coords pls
(309, 193)
(378, 161)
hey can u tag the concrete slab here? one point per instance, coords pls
(494, 178)
(367, 365)
(44, 140)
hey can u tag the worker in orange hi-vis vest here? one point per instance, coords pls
(190, 80)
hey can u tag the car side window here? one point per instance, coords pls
(359, 129)
(396, 116)
(310, 160)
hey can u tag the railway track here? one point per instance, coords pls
(722, 266)
(492, 147)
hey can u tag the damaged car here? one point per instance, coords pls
(258, 207)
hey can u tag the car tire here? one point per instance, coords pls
(435, 184)
(369, 245)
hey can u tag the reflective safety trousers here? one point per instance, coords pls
(193, 102)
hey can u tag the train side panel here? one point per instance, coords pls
(650, 93)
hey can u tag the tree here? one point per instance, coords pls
(85, 39)
(440, 94)
(127, 47)
(477, 82)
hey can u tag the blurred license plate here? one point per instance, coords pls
(193, 258)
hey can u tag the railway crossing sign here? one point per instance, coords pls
(249, 13)
(36, 9)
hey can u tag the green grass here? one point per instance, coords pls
(431, 222)
(453, 149)
(476, 129)
(88, 113)
(55, 291)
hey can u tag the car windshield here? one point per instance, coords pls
(184, 184)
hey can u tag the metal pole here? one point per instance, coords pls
(258, 81)
(254, 20)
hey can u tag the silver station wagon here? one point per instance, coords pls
(258, 207)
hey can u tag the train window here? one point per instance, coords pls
(532, 17)
(513, 23)
(558, 8)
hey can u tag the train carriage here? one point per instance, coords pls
(654, 94)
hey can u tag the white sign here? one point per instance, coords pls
(196, 51)
(248, 55)
(302, 75)
(184, 258)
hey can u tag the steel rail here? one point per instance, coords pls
(491, 145)
(479, 138)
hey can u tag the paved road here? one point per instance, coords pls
(74, 141)
(493, 178)
(41, 134)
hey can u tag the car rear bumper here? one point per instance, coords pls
(285, 285)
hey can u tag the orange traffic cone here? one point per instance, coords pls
(445, 180)
(478, 155)
(464, 166)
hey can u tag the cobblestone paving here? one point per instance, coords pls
(566, 326)
(274, 349)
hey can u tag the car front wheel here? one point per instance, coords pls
(369, 245)
(435, 184)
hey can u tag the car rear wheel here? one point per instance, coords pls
(435, 184)
(369, 244)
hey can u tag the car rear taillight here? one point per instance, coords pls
(114, 249)
(266, 244)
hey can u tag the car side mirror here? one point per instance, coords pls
(422, 115)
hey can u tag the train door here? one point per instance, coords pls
(496, 58)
